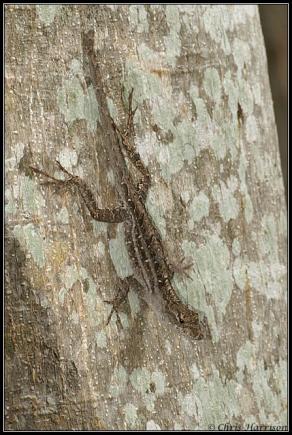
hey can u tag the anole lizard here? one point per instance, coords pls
(151, 266)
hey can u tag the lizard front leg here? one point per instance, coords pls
(114, 215)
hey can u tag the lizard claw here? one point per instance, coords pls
(183, 267)
(116, 302)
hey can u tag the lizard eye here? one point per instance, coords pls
(181, 319)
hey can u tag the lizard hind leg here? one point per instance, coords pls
(120, 297)
(118, 300)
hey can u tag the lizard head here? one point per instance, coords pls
(192, 322)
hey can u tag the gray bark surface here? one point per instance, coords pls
(205, 129)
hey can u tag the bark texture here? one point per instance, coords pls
(205, 129)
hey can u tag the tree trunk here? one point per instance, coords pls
(205, 129)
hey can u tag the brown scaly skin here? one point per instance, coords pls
(144, 243)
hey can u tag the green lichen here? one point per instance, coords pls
(240, 267)
(241, 54)
(172, 41)
(119, 254)
(231, 90)
(100, 339)
(198, 208)
(69, 276)
(61, 295)
(138, 18)
(223, 194)
(31, 240)
(134, 303)
(211, 273)
(155, 205)
(267, 278)
(68, 158)
(47, 13)
(63, 216)
(99, 228)
(251, 129)
(25, 195)
(245, 97)
(236, 247)
(216, 23)
(100, 249)
(74, 317)
(212, 84)
(151, 425)
(222, 399)
(140, 379)
(149, 385)
(118, 381)
(74, 104)
(130, 412)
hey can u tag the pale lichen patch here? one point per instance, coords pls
(68, 158)
(151, 425)
(17, 153)
(236, 247)
(195, 371)
(216, 23)
(47, 13)
(31, 240)
(119, 254)
(211, 273)
(74, 317)
(158, 379)
(118, 381)
(267, 278)
(75, 105)
(212, 84)
(130, 412)
(100, 249)
(155, 203)
(198, 209)
(134, 303)
(149, 385)
(24, 195)
(69, 276)
(266, 398)
(140, 379)
(63, 216)
(112, 108)
(138, 18)
(269, 238)
(241, 54)
(223, 194)
(172, 41)
(251, 129)
(222, 399)
(29, 195)
(191, 405)
(99, 228)
(61, 295)
(240, 271)
(231, 91)
(245, 97)
(101, 339)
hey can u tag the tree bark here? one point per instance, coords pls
(205, 129)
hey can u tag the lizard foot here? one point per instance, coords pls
(116, 302)
(182, 267)
(70, 181)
